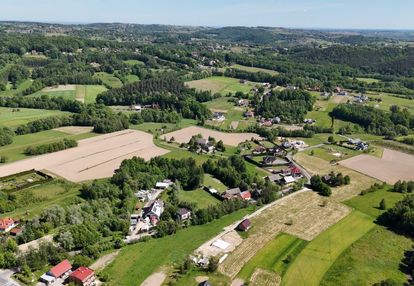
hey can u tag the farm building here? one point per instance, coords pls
(246, 195)
(83, 276)
(231, 193)
(205, 145)
(154, 212)
(163, 185)
(245, 225)
(61, 270)
(219, 116)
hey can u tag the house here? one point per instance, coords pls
(269, 160)
(219, 116)
(61, 270)
(243, 103)
(361, 98)
(7, 224)
(362, 146)
(47, 279)
(249, 114)
(231, 193)
(83, 276)
(205, 145)
(136, 108)
(16, 231)
(267, 123)
(184, 214)
(245, 225)
(146, 195)
(163, 185)
(246, 195)
(258, 150)
(288, 180)
(286, 144)
(276, 120)
(154, 212)
(309, 121)
(343, 93)
(295, 171)
(275, 178)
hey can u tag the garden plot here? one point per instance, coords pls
(230, 139)
(94, 158)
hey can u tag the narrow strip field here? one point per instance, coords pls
(318, 256)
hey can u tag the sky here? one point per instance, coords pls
(337, 14)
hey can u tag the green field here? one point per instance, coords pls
(209, 181)
(275, 256)
(136, 262)
(388, 100)
(367, 80)
(15, 151)
(327, 152)
(319, 255)
(131, 78)
(35, 199)
(253, 69)
(24, 115)
(20, 87)
(83, 93)
(200, 197)
(220, 84)
(134, 62)
(109, 79)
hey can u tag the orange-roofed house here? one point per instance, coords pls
(62, 269)
(83, 276)
(7, 224)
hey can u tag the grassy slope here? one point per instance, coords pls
(222, 85)
(136, 262)
(200, 197)
(273, 256)
(318, 256)
(377, 255)
(15, 151)
(109, 79)
(52, 193)
(20, 87)
(13, 119)
(253, 69)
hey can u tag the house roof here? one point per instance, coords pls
(244, 225)
(16, 231)
(289, 179)
(5, 223)
(219, 243)
(232, 192)
(245, 195)
(183, 211)
(60, 269)
(82, 273)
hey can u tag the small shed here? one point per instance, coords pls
(245, 225)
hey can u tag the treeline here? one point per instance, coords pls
(376, 121)
(399, 217)
(319, 186)
(6, 136)
(143, 175)
(164, 93)
(155, 115)
(290, 106)
(51, 147)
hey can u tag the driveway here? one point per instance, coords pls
(5, 278)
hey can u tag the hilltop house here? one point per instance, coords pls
(7, 224)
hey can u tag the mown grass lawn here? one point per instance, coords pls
(319, 255)
(210, 181)
(15, 151)
(200, 197)
(221, 84)
(253, 69)
(388, 100)
(11, 118)
(109, 79)
(136, 262)
(275, 256)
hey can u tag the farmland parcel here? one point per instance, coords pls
(94, 158)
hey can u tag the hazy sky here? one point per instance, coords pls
(366, 14)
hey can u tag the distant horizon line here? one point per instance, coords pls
(205, 26)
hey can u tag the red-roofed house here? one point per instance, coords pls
(62, 269)
(244, 225)
(7, 224)
(295, 171)
(245, 195)
(16, 231)
(83, 276)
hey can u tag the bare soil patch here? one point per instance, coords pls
(231, 139)
(393, 166)
(75, 130)
(304, 214)
(262, 277)
(339, 99)
(94, 158)
(104, 261)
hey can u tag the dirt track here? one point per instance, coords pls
(393, 166)
(230, 139)
(94, 158)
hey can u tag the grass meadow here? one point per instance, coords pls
(221, 84)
